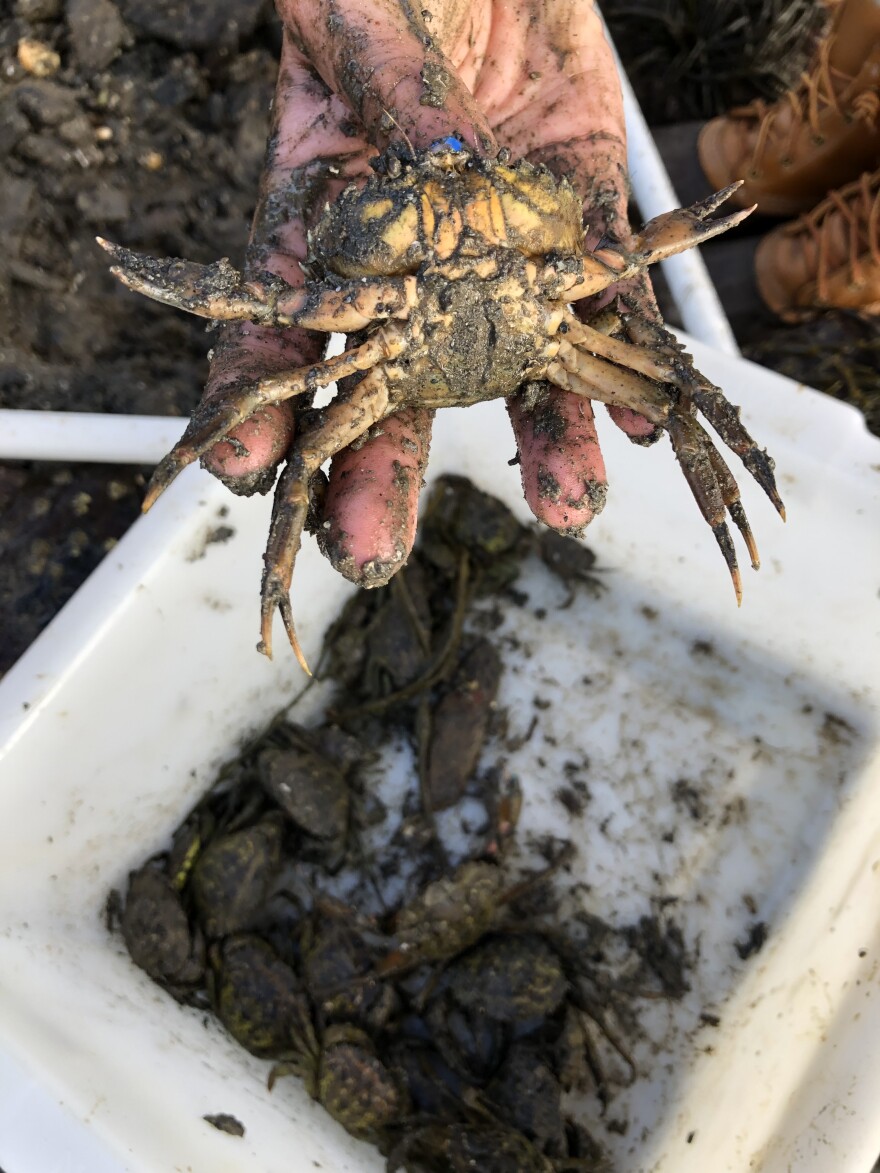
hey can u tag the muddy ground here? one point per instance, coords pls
(144, 122)
(150, 131)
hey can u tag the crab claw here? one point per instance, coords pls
(221, 293)
(664, 236)
(211, 291)
(673, 232)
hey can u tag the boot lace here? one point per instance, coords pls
(819, 90)
(858, 204)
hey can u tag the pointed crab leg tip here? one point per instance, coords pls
(722, 536)
(776, 502)
(737, 217)
(752, 547)
(154, 492)
(162, 478)
(725, 193)
(724, 223)
(290, 628)
(118, 252)
(298, 652)
(703, 208)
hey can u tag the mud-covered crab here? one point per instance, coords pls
(455, 273)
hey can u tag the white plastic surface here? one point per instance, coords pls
(119, 714)
(83, 435)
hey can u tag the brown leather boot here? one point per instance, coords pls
(829, 257)
(818, 136)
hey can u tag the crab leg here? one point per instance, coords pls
(692, 446)
(709, 478)
(654, 352)
(638, 358)
(220, 292)
(662, 237)
(596, 378)
(342, 423)
(730, 495)
(712, 402)
(215, 418)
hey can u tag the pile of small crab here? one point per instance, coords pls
(456, 275)
(440, 1006)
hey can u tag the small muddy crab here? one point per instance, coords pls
(456, 274)
(342, 1071)
(157, 931)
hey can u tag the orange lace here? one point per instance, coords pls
(818, 90)
(859, 205)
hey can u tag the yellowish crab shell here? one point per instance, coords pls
(390, 226)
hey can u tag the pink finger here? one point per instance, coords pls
(371, 507)
(634, 425)
(246, 462)
(563, 473)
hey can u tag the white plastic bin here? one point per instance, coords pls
(118, 716)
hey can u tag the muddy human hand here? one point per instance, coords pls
(535, 77)
(457, 276)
